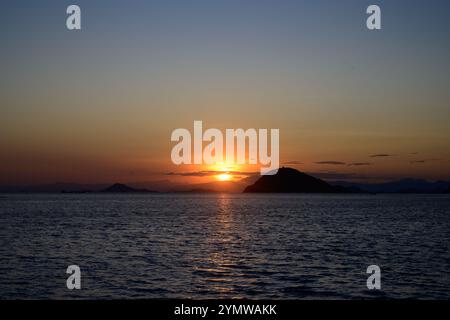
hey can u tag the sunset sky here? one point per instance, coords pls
(99, 105)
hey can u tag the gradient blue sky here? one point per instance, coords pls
(99, 105)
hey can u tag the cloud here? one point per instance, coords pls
(360, 164)
(332, 162)
(423, 161)
(210, 173)
(381, 155)
(293, 162)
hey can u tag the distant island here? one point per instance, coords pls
(407, 185)
(289, 180)
(123, 188)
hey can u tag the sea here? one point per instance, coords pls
(214, 246)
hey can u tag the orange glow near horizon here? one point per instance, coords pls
(224, 167)
(224, 177)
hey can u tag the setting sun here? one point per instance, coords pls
(224, 177)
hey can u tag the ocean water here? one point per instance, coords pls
(224, 246)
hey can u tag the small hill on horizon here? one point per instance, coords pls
(289, 180)
(123, 188)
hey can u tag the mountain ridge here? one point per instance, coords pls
(406, 185)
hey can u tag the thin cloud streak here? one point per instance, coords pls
(423, 161)
(331, 162)
(382, 155)
(356, 164)
(293, 162)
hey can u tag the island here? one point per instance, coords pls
(289, 180)
(123, 188)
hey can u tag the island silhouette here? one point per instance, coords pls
(123, 188)
(289, 180)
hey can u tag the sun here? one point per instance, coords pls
(225, 170)
(224, 177)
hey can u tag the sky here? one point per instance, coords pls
(99, 105)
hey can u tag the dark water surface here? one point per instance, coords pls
(224, 246)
